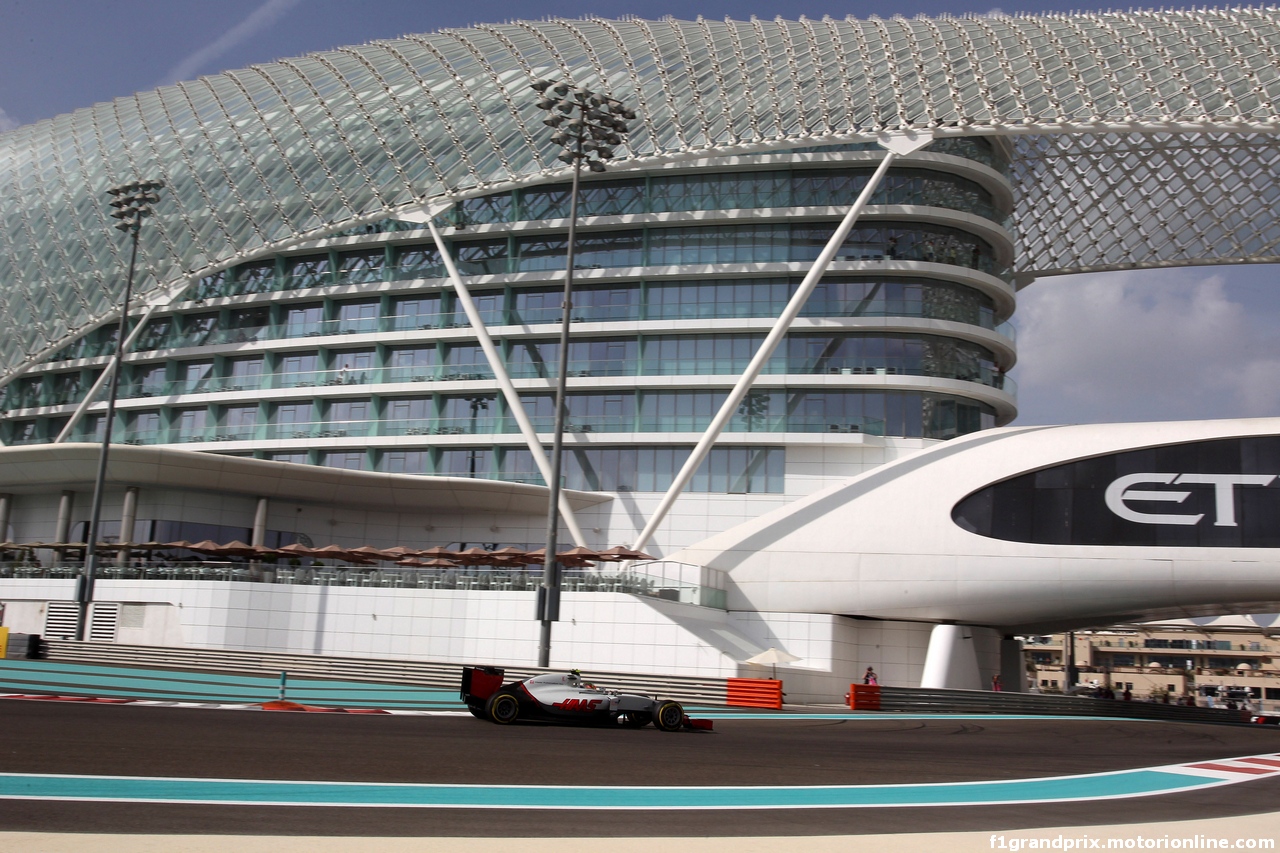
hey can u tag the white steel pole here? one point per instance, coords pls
(897, 145)
(102, 380)
(509, 391)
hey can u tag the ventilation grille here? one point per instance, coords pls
(104, 617)
(60, 619)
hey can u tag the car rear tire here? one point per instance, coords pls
(669, 717)
(636, 719)
(502, 708)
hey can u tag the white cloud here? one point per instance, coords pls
(1168, 345)
(6, 123)
(258, 20)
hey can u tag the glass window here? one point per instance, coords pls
(194, 376)
(190, 423)
(248, 318)
(488, 257)
(359, 317)
(298, 370)
(708, 354)
(470, 414)
(466, 462)
(198, 329)
(538, 306)
(364, 266)
(485, 210)
(312, 271)
(351, 460)
(406, 408)
(466, 361)
(22, 432)
(148, 380)
(300, 320)
(719, 245)
(255, 278)
(211, 286)
(66, 388)
(593, 251)
(488, 304)
(238, 419)
(143, 427)
(155, 335)
(296, 457)
(416, 312)
(406, 462)
(349, 410)
(652, 469)
(411, 364)
(244, 372)
(418, 262)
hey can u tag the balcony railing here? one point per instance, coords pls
(659, 582)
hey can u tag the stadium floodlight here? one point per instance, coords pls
(132, 203)
(587, 126)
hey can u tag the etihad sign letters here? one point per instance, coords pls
(1120, 493)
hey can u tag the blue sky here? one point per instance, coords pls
(1194, 343)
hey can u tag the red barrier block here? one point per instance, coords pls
(864, 697)
(754, 693)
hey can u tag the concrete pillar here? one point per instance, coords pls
(128, 517)
(259, 537)
(6, 509)
(1013, 668)
(260, 523)
(951, 662)
(62, 531)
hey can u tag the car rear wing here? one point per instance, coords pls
(481, 682)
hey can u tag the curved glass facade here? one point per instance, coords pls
(358, 355)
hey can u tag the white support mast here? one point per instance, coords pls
(897, 144)
(504, 379)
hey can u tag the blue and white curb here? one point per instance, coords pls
(1092, 786)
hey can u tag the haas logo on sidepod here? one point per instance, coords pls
(578, 704)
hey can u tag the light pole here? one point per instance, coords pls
(132, 202)
(587, 125)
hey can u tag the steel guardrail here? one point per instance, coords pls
(687, 689)
(444, 676)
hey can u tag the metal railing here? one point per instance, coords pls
(638, 581)
(444, 676)
(989, 702)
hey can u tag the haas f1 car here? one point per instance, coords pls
(564, 698)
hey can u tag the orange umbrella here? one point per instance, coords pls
(369, 552)
(475, 557)
(297, 550)
(436, 551)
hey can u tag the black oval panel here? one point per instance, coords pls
(1223, 493)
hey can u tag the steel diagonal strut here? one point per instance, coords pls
(504, 380)
(896, 144)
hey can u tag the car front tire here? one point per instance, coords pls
(502, 708)
(669, 717)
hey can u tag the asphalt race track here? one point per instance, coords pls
(39, 737)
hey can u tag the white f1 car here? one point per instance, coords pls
(565, 698)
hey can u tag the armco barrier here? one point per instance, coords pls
(422, 674)
(753, 693)
(711, 691)
(920, 699)
(864, 697)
